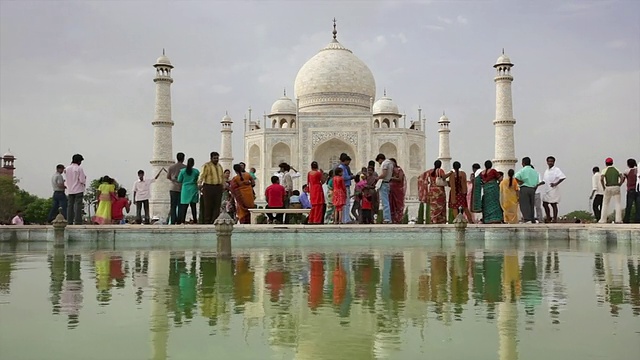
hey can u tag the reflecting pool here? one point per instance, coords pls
(284, 303)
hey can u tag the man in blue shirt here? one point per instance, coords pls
(345, 160)
(304, 197)
(528, 179)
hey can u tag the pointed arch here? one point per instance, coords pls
(280, 153)
(389, 150)
(413, 187)
(376, 124)
(283, 123)
(254, 156)
(414, 157)
(327, 154)
(385, 123)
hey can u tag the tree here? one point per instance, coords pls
(37, 212)
(405, 217)
(8, 191)
(420, 219)
(581, 215)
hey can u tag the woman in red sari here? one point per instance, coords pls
(316, 194)
(243, 193)
(437, 194)
(397, 192)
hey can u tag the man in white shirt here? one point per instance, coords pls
(142, 194)
(553, 177)
(385, 176)
(76, 184)
(18, 219)
(597, 193)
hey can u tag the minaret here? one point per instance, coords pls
(505, 157)
(162, 138)
(8, 167)
(226, 153)
(443, 132)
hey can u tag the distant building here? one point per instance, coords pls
(8, 167)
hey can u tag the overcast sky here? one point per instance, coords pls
(77, 77)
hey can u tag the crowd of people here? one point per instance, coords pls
(338, 196)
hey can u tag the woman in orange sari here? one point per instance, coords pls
(316, 194)
(437, 194)
(243, 193)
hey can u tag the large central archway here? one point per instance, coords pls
(328, 153)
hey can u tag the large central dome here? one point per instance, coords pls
(335, 80)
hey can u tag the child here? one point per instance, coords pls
(119, 204)
(366, 208)
(275, 194)
(339, 195)
(327, 183)
(294, 200)
(359, 190)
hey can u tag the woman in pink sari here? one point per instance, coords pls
(397, 192)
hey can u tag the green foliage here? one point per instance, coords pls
(451, 217)
(8, 191)
(420, 219)
(581, 215)
(405, 217)
(427, 210)
(37, 211)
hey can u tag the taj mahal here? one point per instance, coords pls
(334, 111)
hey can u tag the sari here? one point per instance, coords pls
(243, 193)
(458, 193)
(372, 180)
(491, 210)
(328, 215)
(476, 201)
(316, 196)
(509, 200)
(397, 191)
(106, 197)
(437, 198)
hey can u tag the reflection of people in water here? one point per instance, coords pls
(177, 266)
(316, 280)
(276, 277)
(634, 285)
(116, 272)
(140, 278)
(367, 277)
(554, 288)
(188, 281)
(208, 304)
(242, 281)
(531, 287)
(72, 297)
(103, 280)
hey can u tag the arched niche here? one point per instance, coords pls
(254, 156)
(413, 187)
(292, 124)
(415, 160)
(376, 124)
(389, 150)
(385, 123)
(283, 123)
(280, 153)
(274, 123)
(328, 153)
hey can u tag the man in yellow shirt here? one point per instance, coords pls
(211, 182)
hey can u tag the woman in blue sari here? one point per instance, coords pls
(491, 209)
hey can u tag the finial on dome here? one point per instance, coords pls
(384, 92)
(285, 92)
(226, 112)
(502, 51)
(443, 113)
(163, 51)
(335, 32)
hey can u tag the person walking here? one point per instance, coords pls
(189, 193)
(632, 177)
(59, 197)
(611, 180)
(553, 177)
(211, 181)
(597, 193)
(528, 179)
(176, 187)
(76, 185)
(383, 192)
(242, 190)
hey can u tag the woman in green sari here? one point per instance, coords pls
(491, 209)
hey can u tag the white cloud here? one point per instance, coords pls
(434, 27)
(445, 20)
(617, 44)
(462, 20)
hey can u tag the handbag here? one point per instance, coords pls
(441, 182)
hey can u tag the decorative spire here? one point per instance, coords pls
(285, 92)
(384, 92)
(443, 113)
(226, 112)
(335, 32)
(163, 52)
(502, 51)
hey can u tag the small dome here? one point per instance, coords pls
(163, 60)
(503, 60)
(226, 118)
(284, 105)
(8, 154)
(385, 105)
(444, 118)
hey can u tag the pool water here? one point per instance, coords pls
(294, 303)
